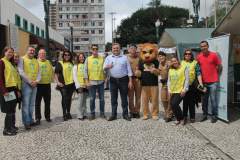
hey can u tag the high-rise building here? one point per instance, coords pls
(52, 16)
(88, 17)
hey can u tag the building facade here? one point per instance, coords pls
(88, 17)
(52, 16)
(19, 28)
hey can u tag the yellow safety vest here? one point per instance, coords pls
(10, 74)
(80, 75)
(31, 68)
(95, 71)
(19, 81)
(191, 68)
(46, 72)
(67, 72)
(177, 79)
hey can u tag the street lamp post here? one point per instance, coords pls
(71, 28)
(157, 24)
(46, 4)
(112, 13)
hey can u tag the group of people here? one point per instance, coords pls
(26, 80)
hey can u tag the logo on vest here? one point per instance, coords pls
(12, 66)
(81, 68)
(31, 64)
(96, 63)
(187, 66)
(175, 75)
(44, 67)
(70, 66)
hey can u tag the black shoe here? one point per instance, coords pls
(132, 115)
(137, 116)
(69, 116)
(48, 120)
(65, 118)
(81, 119)
(8, 132)
(214, 120)
(126, 117)
(112, 118)
(168, 119)
(203, 119)
(38, 121)
(15, 128)
(85, 117)
(106, 89)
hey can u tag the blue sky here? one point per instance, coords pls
(123, 9)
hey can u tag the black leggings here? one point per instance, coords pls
(67, 92)
(189, 104)
(174, 102)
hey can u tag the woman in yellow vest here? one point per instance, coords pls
(16, 59)
(64, 78)
(178, 83)
(80, 84)
(8, 88)
(194, 70)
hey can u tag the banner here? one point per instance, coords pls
(220, 45)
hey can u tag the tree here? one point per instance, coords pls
(140, 26)
(108, 47)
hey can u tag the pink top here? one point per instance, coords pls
(208, 67)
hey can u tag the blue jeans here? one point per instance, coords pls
(212, 91)
(92, 94)
(28, 100)
(107, 84)
(122, 86)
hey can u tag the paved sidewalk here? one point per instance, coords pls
(120, 139)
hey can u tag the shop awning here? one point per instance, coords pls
(59, 46)
(36, 40)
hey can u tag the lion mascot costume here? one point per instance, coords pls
(147, 70)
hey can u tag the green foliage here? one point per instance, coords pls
(108, 47)
(140, 27)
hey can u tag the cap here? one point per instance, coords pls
(161, 53)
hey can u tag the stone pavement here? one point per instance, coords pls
(120, 139)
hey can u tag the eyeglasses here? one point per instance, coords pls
(94, 48)
(187, 53)
(67, 55)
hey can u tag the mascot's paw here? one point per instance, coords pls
(138, 73)
(155, 117)
(155, 71)
(144, 117)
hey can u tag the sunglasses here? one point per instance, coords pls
(187, 53)
(94, 48)
(67, 55)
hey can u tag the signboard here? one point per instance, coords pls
(220, 45)
(236, 57)
(13, 37)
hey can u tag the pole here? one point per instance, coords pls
(112, 13)
(114, 30)
(46, 9)
(206, 13)
(215, 13)
(71, 28)
(157, 28)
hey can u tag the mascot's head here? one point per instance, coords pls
(148, 52)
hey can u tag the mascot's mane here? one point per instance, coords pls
(154, 53)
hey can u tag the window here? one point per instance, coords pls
(84, 16)
(76, 47)
(68, 16)
(68, 1)
(99, 16)
(92, 23)
(17, 20)
(92, 1)
(60, 8)
(99, 1)
(75, 1)
(84, 39)
(84, 1)
(60, 16)
(32, 27)
(25, 24)
(100, 24)
(37, 30)
(100, 31)
(92, 31)
(67, 8)
(42, 33)
(60, 1)
(85, 31)
(60, 24)
(76, 39)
